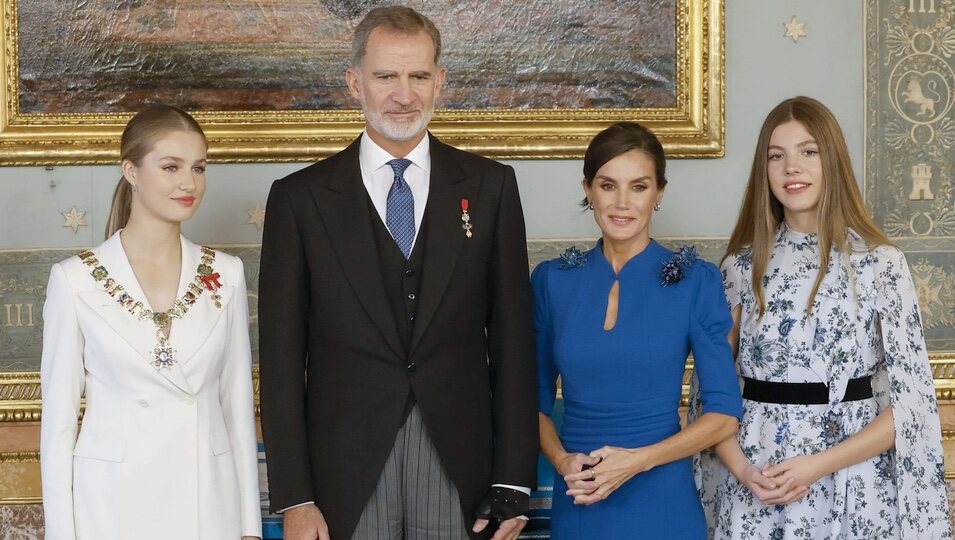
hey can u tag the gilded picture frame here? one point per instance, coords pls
(692, 127)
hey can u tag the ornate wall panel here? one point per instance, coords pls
(910, 146)
(24, 273)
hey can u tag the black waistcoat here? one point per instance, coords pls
(402, 279)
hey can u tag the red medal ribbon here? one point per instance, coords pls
(212, 281)
(464, 205)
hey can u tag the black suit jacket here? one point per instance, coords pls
(334, 374)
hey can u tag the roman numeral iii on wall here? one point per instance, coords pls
(18, 314)
(931, 8)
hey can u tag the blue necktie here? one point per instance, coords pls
(399, 208)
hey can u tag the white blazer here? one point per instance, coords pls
(161, 454)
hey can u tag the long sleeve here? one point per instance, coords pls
(708, 470)
(62, 379)
(235, 395)
(546, 367)
(713, 358)
(920, 475)
(511, 345)
(283, 334)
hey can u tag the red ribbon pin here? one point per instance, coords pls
(212, 281)
(466, 218)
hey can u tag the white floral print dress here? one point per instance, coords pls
(865, 321)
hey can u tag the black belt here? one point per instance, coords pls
(785, 393)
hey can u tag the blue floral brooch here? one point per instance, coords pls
(572, 258)
(674, 268)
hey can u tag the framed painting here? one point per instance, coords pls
(532, 79)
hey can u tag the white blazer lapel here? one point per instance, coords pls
(139, 333)
(190, 332)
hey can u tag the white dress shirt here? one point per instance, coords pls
(378, 176)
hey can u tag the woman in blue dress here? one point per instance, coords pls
(616, 324)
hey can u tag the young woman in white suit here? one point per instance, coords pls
(153, 330)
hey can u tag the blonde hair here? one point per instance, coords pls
(840, 206)
(141, 133)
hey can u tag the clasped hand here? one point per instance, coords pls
(505, 505)
(608, 468)
(784, 482)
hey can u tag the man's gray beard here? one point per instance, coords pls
(397, 131)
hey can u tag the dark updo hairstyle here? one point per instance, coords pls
(617, 140)
(141, 133)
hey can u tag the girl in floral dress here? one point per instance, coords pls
(840, 436)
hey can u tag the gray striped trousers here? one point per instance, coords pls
(414, 499)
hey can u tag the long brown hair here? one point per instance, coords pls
(141, 133)
(840, 207)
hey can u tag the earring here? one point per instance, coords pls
(135, 187)
(657, 206)
(590, 205)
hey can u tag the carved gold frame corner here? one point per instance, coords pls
(693, 128)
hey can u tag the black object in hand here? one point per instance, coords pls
(503, 503)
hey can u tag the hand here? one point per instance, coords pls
(803, 471)
(506, 506)
(617, 465)
(305, 522)
(768, 490)
(571, 463)
(509, 529)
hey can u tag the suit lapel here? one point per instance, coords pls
(444, 236)
(140, 334)
(190, 332)
(343, 206)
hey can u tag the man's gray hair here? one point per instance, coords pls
(399, 19)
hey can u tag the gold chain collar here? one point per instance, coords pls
(163, 355)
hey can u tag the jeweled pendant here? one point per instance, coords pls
(164, 356)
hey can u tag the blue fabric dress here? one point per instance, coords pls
(622, 387)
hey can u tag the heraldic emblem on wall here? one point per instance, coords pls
(910, 146)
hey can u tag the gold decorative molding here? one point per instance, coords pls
(20, 392)
(20, 397)
(948, 446)
(20, 500)
(692, 127)
(20, 457)
(28, 482)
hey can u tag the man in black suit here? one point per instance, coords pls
(398, 377)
